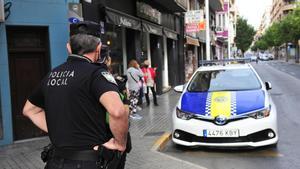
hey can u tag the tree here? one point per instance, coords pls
(284, 32)
(273, 38)
(261, 44)
(254, 48)
(293, 22)
(244, 34)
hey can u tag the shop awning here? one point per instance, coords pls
(152, 28)
(122, 19)
(170, 34)
(192, 41)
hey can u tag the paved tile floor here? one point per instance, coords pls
(155, 121)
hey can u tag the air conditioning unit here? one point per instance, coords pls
(2, 16)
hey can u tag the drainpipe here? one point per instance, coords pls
(207, 30)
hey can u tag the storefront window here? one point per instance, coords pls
(113, 39)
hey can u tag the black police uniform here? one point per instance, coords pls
(121, 83)
(70, 94)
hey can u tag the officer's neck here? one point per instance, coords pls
(91, 56)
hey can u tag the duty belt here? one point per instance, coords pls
(83, 155)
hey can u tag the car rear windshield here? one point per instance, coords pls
(224, 80)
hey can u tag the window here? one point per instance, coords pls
(113, 39)
(224, 80)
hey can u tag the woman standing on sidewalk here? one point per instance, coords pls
(149, 77)
(134, 74)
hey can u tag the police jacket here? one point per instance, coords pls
(70, 94)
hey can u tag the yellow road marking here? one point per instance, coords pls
(161, 142)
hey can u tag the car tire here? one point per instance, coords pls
(274, 145)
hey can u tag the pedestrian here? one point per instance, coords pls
(149, 78)
(142, 94)
(134, 74)
(71, 102)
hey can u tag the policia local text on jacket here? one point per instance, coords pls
(71, 104)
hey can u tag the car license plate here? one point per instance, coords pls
(221, 133)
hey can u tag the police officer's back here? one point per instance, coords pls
(71, 104)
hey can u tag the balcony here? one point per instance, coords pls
(173, 5)
(289, 6)
(216, 5)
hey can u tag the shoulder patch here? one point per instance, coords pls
(109, 77)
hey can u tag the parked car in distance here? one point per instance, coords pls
(271, 56)
(250, 56)
(264, 57)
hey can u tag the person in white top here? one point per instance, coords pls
(134, 74)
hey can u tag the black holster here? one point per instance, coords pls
(47, 153)
(108, 159)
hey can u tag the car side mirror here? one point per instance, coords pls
(179, 88)
(268, 85)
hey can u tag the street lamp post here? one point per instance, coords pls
(207, 30)
(228, 29)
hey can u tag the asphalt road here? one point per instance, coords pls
(285, 79)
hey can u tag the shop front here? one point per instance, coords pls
(122, 36)
(191, 56)
(171, 60)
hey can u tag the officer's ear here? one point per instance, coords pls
(69, 48)
(98, 49)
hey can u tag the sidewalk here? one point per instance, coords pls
(290, 61)
(144, 132)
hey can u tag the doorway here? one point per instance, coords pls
(172, 61)
(157, 61)
(28, 53)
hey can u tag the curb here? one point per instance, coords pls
(161, 142)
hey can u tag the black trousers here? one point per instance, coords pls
(60, 163)
(153, 93)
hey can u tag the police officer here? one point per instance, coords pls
(105, 63)
(71, 104)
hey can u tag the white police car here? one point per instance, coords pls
(225, 106)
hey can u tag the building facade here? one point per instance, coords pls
(280, 8)
(142, 30)
(33, 40)
(226, 20)
(195, 43)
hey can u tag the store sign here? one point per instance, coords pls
(195, 27)
(125, 22)
(190, 28)
(148, 12)
(194, 21)
(195, 16)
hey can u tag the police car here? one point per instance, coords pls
(225, 106)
